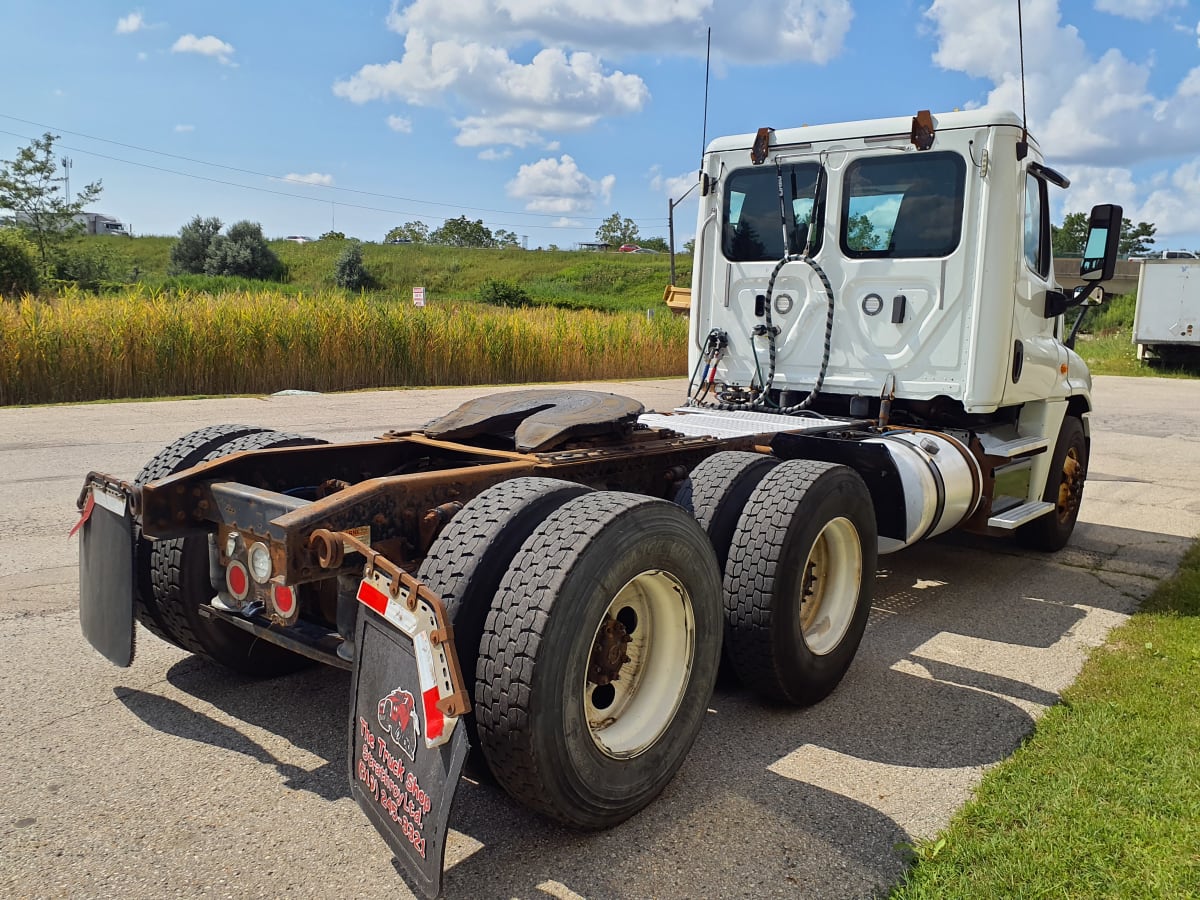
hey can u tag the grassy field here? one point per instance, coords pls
(1103, 800)
(564, 279)
(589, 315)
(147, 343)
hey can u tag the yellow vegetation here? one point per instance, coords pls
(145, 343)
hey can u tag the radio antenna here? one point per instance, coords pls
(1023, 145)
(704, 128)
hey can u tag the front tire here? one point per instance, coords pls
(1064, 488)
(799, 580)
(598, 658)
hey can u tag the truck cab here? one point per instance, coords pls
(897, 264)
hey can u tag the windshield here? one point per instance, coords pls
(752, 230)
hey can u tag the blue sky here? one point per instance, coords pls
(544, 116)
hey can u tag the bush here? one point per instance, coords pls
(503, 293)
(92, 264)
(349, 271)
(190, 252)
(18, 271)
(242, 251)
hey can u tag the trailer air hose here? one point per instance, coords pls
(717, 340)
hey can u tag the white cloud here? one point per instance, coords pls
(400, 124)
(1142, 10)
(1094, 113)
(492, 154)
(142, 56)
(205, 46)
(183, 129)
(558, 186)
(553, 91)
(767, 31)
(130, 23)
(519, 69)
(672, 186)
(310, 178)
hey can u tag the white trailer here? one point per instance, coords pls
(1167, 319)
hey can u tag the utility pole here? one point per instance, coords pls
(66, 164)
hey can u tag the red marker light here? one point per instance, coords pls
(284, 600)
(237, 580)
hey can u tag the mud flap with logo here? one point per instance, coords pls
(405, 755)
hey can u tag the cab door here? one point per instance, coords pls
(1037, 355)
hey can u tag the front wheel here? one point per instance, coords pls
(598, 658)
(1064, 488)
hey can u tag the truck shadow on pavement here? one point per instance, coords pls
(963, 650)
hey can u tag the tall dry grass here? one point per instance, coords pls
(144, 343)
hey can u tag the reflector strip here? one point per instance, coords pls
(369, 595)
(434, 721)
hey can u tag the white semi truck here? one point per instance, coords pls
(878, 355)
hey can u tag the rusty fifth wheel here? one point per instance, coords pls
(799, 580)
(598, 657)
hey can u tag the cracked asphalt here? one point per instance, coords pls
(175, 778)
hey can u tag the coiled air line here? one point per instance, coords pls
(717, 340)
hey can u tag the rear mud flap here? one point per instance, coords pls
(405, 787)
(106, 570)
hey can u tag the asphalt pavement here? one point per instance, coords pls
(177, 778)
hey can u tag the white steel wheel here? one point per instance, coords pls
(830, 585)
(640, 664)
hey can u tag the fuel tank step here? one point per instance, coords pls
(1019, 515)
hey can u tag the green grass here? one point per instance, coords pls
(1106, 344)
(563, 279)
(1103, 799)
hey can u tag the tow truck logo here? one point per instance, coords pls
(398, 716)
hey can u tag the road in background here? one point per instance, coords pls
(176, 778)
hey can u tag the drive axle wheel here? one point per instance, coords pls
(799, 580)
(1064, 488)
(720, 487)
(180, 454)
(598, 657)
(470, 556)
(179, 573)
(639, 666)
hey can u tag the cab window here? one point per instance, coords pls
(753, 229)
(903, 207)
(1036, 238)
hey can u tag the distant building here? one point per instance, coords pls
(594, 245)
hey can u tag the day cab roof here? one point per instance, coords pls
(871, 128)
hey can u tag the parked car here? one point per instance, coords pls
(1167, 254)
(299, 239)
(628, 248)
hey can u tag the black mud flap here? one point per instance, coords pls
(106, 573)
(405, 787)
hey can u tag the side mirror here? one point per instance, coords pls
(1104, 235)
